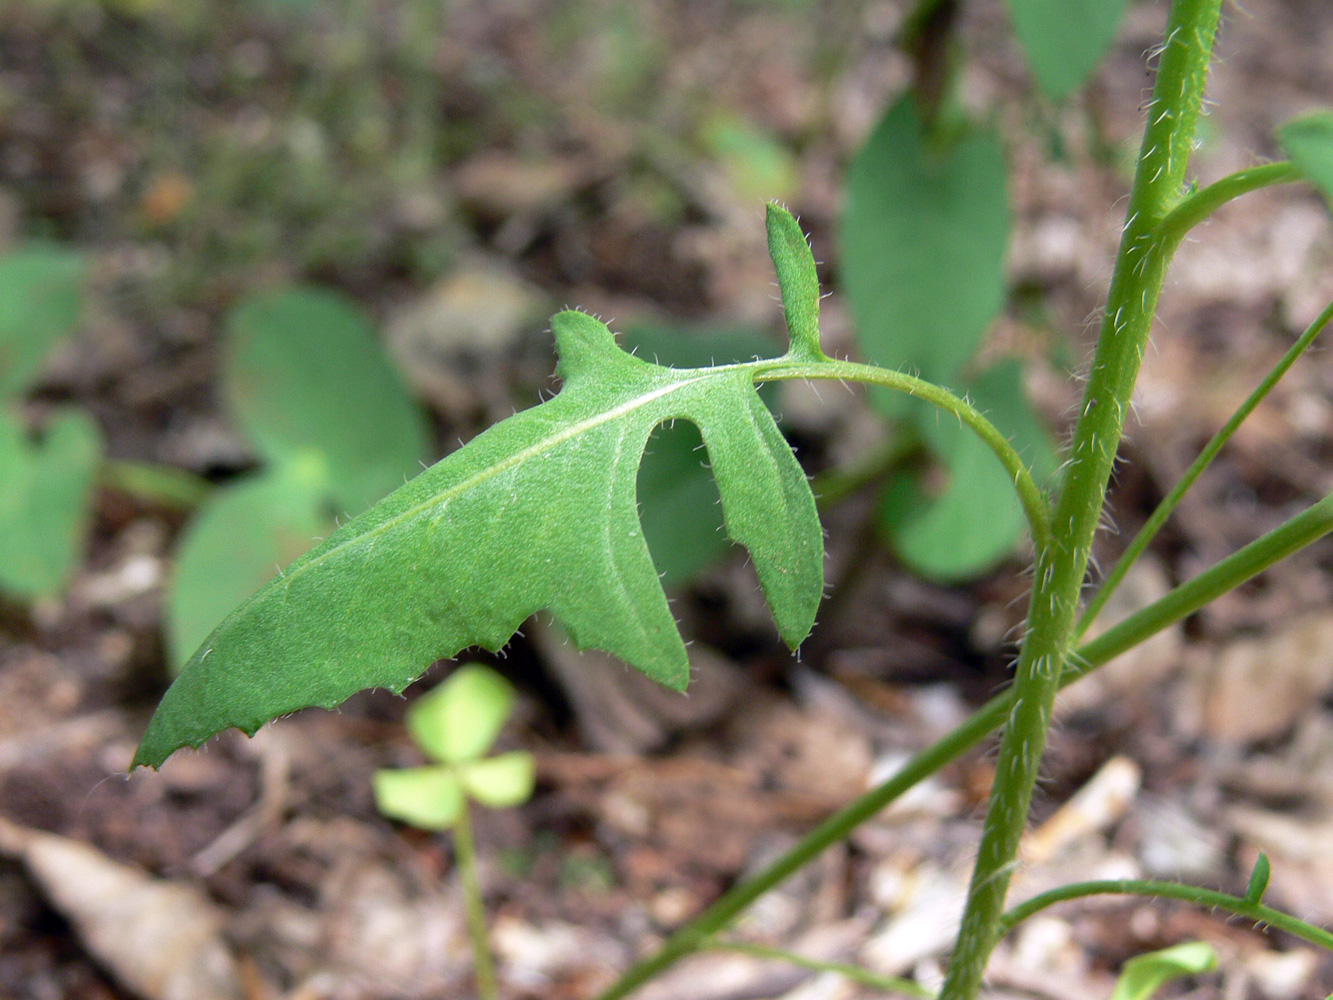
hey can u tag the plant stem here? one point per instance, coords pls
(1030, 495)
(856, 973)
(159, 484)
(1236, 569)
(1062, 564)
(1170, 890)
(474, 907)
(1210, 451)
(1199, 205)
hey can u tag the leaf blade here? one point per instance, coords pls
(538, 512)
(1064, 40)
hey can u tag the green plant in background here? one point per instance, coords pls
(310, 388)
(1144, 975)
(454, 725)
(539, 512)
(47, 479)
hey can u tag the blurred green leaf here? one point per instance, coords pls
(924, 235)
(45, 489)
(759, 167)
(429, 798)
(41, 298)
(304, 373)
(976, 519)
(1144, 975)
(501, 781)
(679, 504)
(237, 541)
(1065, 39)
(1308, 140)
(460, 718)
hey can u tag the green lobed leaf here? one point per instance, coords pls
(1064, 40)
(976, 520)
(538, 512)
(502, 781)
(460, 718)
(1308, 140)
(45, 489)
(1144, 975)
(924, 234)
(41, 297)
(304, 373)
(236, 543)
(797, 279)
(429, 798)
(678, 500)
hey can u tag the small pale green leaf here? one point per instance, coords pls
(536, 512)
(1144, 975)
(304, 373)
(1308, 140)
(1254, 892)
(461, 717)
(41, 297)
(757, 164)
(1065, 39)
(237, 541)
(45, 493)
(976, 520)
(924, 234)
(678, 500)
(797, 279)
(429, 798)
(502, 781)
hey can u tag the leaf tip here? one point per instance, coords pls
(797, 279)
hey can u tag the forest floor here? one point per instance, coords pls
(463, 183)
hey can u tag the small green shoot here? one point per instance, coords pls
(1144, 975)
(454, 725)
(1254, 892)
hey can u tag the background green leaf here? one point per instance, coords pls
(924, 235)
(304, 373)
(41, 297)
(1064, 40)
(237, 541)
(460, 718)
(45, 489)
(976, 520)
(1144, 975)
(501, 781)
(539, 511)
(1308, 140)
(429, 798)
(678, 500)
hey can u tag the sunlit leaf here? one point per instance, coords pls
(304, 374)
(1065, 39)
(45, 488)
(924, 235)
(40, 302)
(501, 781)
(1144, 975)
(461, 717)
(537, 512)
(430, 798)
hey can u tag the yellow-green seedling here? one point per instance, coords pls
(1143, 975)
(455, 725)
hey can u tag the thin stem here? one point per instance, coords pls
(474, 907)
(856, 973)
(1170, 890)
(835, 485)
(1236, 569)
(1062, 565)
(1172, 499)
(1030, 495)
(159, 484)
(1200, 204)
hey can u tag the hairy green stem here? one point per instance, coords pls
(1030, 495)
(1170, 890)
(1062, 564)
(1205, 458)
(1236, 569)
(474, 906)
(856, 973)
(1200, 204)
